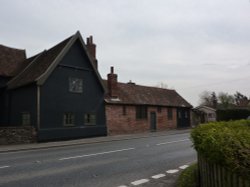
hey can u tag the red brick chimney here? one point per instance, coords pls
(91, 47)
(112, 83)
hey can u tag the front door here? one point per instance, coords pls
(152, 121)
(183, 117)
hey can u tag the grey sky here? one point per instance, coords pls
(190, 45)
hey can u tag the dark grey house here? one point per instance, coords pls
(58, 91)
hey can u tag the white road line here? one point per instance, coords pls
(95, 154)
(2, 167)
(158, 176)
(183, 167)
(138, 182)
(122, 186)
(172, 171)
(173, 142)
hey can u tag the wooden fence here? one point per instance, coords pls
(213, 175)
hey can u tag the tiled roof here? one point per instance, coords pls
(144, 95)
(38, 65)
(11, 61)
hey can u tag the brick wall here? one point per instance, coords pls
(118, 123)
(17, 135)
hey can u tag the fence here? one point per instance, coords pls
(213, 175)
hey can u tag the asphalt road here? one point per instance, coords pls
(106, 164)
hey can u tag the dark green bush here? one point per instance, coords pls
(225, 143)
(232, 114)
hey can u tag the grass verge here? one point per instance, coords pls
(188, 177)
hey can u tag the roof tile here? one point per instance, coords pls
(11, 61)
(145, 95)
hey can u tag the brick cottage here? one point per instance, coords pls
(132, 108)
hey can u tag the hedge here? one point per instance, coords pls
(226, 144)
(232, 114)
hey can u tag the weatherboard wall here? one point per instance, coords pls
(56, 99)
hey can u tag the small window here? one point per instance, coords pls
(124, 110)
(186, 114)
(179, 114)
(90, 119)
(159, 109)
(75, 85)
(141, 112)
(170, 113)
(26, 119)
(68, 119)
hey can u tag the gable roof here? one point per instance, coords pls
(11, 61)
(132, 94)
(43, 64)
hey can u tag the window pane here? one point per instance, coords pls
(75, 85)
(68, 119)
(90, 119)
(124, 110)
(141, 112)
(26, 118)
(170, 113)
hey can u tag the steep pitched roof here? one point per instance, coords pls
(144, 95)
(11, 61)
(43, 64)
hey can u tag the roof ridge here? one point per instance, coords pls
(146, 86)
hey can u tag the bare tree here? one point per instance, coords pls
(225, 100)
(241, 100)
(208, 98)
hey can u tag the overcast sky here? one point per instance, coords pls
(188, 45)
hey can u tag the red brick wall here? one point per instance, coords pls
(117, 123)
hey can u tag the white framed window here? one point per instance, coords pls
(75, 85)
(68, 119)
(26, 119)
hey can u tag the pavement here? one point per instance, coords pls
(32, 146)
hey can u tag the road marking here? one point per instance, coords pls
(173, 142)
(2, 167)
(95, 154)
(122, 186)
(183, 167)
(158, 176)
(172, 171)
(138, 182)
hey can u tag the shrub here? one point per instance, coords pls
(225, 143)
(232, 114)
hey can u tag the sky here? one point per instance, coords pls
(187, 45)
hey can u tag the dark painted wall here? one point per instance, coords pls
(3, 107)
(183, 117)
(22, 100)
(3, 81)
(3, 101)
(56, 99)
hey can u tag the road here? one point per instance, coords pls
(106, 164)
